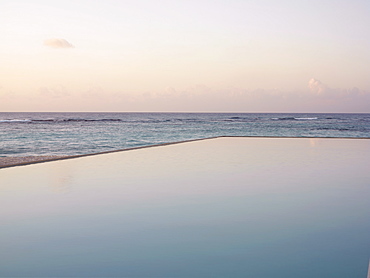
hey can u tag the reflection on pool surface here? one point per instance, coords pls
(226, 207)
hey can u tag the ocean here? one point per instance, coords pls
(34, 134)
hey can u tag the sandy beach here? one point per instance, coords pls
(23, 160)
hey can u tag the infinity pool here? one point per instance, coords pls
(224, 207)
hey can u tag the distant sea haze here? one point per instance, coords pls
(33, 134)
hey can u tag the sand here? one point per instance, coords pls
(14, 161)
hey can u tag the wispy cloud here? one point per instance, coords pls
(58, 43)
(56, 92)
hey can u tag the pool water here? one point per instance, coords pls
(225, 207)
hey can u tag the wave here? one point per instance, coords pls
(295, 119)
(153, 120)
(240, 119)
(57, 120)
(98, 120)
(78, 120)
(306, 119)
(283, 119)
(16, 121)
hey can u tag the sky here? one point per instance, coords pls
(185, 56)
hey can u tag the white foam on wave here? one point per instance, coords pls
(15, 121)
(306, 119)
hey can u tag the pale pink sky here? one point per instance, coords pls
(198, 56)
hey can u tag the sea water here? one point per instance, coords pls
(28, 134)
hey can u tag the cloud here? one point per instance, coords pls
(320, 98)
(58, 43)
(321, 90)
(316, 86)
(56, 92)
(199, 98)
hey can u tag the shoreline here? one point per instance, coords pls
(25, 160)
(7, 162)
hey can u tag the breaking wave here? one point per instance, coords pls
(295, 119)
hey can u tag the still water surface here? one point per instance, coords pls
(226, 207)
